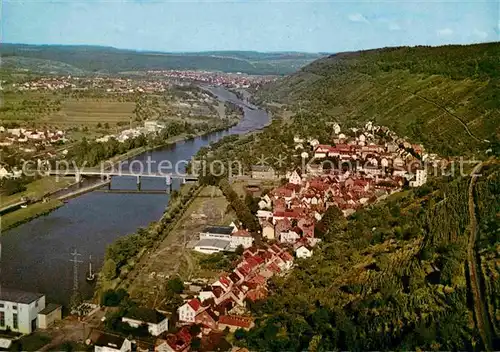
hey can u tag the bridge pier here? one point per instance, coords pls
(168, 182)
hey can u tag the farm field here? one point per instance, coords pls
(92, 112)
(173, 257)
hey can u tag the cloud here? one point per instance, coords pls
(444, 32)
(357, 17)
(394, 27)
(480, 34)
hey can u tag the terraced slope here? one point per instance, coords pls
(446, 97)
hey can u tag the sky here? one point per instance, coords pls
(262, 25)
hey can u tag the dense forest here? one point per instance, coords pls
(444, 97)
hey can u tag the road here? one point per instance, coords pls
(479, 301)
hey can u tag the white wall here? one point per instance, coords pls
(25, 314)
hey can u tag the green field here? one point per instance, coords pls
(37, 189)
(91, 112)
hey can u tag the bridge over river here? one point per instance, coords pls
(35, 255)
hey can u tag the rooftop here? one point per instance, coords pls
(223, 230)
(16, 296)
(50, 308)
(110, 340)
(146, 315)
(212, 242)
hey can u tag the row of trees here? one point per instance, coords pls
(242, 211)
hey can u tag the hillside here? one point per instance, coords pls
(446, 97)
(88, 59)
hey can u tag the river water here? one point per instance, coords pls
(36, 256)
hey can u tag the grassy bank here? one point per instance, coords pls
(37, 189)
(33, 211)
(150, 238)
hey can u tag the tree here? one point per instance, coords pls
(331, 223)
(109, 269)
(175, 285)
(99, 125)
(196, 344)
(239, 250)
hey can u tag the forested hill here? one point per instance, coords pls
(446, 97)
(87, 59)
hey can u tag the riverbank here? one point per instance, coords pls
(170, 141)
(152, 237)
(24, 215)
(42, 188)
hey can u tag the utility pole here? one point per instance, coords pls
(75, 262)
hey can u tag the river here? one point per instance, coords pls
(36, 255)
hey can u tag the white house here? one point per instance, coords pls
(187, 312)
(303, 251)
(241, 237)
(420, 178)
(289, 236)
(19, 310)
(4, 173)
(295, 178)
(112, 343)
(156, 321)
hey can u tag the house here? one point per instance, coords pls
(241, 237)
(179, 342)
(189, 310)
(267, 230)
(112, 343)
(233, 322)
(212, 245)
(4, 173)
(48, 316)
(321, 151)
(263, 172)
(19, 310)
(303, 251)
(420, 178)
(156, 321)
(291, 236)
(207, 318)
(294, 178)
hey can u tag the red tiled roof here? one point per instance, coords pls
(242, 233)
(195, 304)
(225, 281)
(286, 256)
(232, 320)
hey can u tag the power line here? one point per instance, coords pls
(75, 262)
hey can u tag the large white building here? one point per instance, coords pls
(222, 238)
(156, 321)
(19, 310)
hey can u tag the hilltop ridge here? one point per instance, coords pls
(446, 97)
(80, 59)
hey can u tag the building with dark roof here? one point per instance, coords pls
(49, 315)
(109, 343)
(19, 310)
(156, 321)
